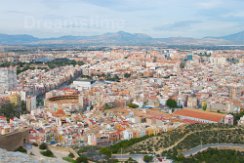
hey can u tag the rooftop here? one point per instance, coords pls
(216, 117)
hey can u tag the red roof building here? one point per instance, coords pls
(200, 115)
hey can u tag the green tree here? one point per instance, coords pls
(131, 105)
(127, 75)
(171, 103)
(43, 146)
(130, 160)
(107, 106)
(82, 159)
(23, 107)
(47, 153)
(183, 64)
(21, 149)
(71, 155)
(204, 106)
(148, 158)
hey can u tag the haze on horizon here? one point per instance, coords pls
(168, 18)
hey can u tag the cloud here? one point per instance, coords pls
(210, 4)
(155, 17)
(178, 25)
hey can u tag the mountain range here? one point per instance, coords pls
(122, 38)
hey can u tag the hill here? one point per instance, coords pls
(121, 38)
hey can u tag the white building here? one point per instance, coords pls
(229, 119)
(82, 84)
(8, 79)
(91, 140)
(127, 134)
(241, 121)
(30, 103)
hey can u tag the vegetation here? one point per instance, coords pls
(112, 78)
(132, 105)
(63, 62)
(216, 156)
(148, 158)
(194, 135)
(87, 149)
(171, 103)
(116, 148)
(130, 160)
(183, 64)
(21, 149)
(233, 60)
(127, 75)
(22, 66)
(47, 153)
(43, 146)
(237, 116)
(71, 155)
(81, 159)
(9, 110)
(204, 106)
(68, 159)
(108, 106)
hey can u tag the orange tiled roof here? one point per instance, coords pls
(59, 113)
(216, 117)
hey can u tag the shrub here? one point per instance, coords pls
(82, 159)
(147, 158)
(21, 149)
(43, 146)
(131, 105)
(71, 155)
(68, 159)
(47, 153)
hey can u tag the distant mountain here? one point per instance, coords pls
(118, 38)
(15, 39)
(122, 38)
(236, 37)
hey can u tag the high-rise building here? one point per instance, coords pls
(8, 79)
(30, 103)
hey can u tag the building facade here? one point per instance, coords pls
(8, 79)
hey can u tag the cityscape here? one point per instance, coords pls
(120, 90)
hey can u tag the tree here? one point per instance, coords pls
(204, 106)
(171, 103)
(147, 158)
(82, 159)
(23, 107)
(131, 105)
(47, 153)
(130, 160)
(21, 149)
(71, 155)
(43, 146)
(182, 64)
(9, 110)
(127, 75)
(106, 151)
(107, 106)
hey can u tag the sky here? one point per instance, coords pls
(157, 18)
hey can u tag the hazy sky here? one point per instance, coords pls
(158, 18)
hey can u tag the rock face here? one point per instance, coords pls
(17, 157)
(14, 140)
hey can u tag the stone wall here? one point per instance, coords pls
(14, 140)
